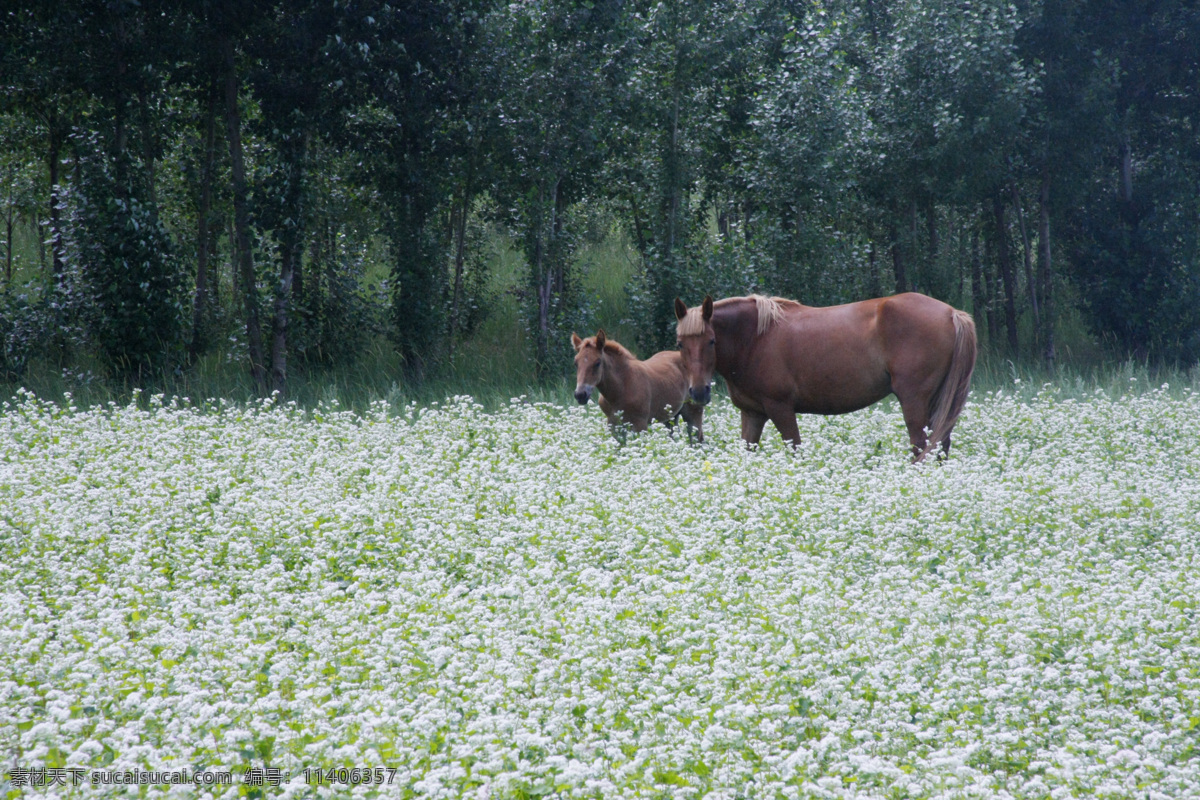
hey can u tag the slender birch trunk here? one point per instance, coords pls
(241, 219)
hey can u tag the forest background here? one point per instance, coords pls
(372, 199)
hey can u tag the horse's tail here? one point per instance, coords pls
(951, 396)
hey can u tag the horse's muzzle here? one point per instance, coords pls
(702, 395)
(582, 394)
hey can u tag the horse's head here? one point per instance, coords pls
(589, 364)
(698, 345)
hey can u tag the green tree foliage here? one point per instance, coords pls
(688, 72)
(266, 158)
(1135, 252)
(553, 120)
(122, 270)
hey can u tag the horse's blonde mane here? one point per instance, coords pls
(692, 323)
(770, 311)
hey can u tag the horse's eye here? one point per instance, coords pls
(712, 342)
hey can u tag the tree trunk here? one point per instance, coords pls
(639, 228)
(288, 254)
(872, 270)
(8, 248)
(9, 214)
(978, 301)
(214, 265)
(203, 237)
(1044, 274)
(290, 247)
(148, 152)
(56, 241)
(992, 283)
(898, 262)
(674, 201)
(235, 286)
(1126, 172)
(912, 242)
(542, 287)
(955, 225)
(1006, 273)
(298, 280)
(931, 230)
(559, 263)
(460, 253)
(1030, 283)
(120, 111)
(241, 218)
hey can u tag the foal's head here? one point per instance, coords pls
(698, 345)
(589, 364)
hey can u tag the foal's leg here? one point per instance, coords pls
(617, 426)
(693, 415)
(619, 431)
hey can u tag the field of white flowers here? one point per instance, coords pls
(509, 604)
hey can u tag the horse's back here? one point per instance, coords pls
(918, 333)
(838, 359)
(822, 360)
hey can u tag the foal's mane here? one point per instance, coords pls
(770, 311)
(618, 349)
(613, 348)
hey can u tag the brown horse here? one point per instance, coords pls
(633, 391)
(780, 358)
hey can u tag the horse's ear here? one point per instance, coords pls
(706, 310)
(680, 309)
(576, 341)
(600, 339)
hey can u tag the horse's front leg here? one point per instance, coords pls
(617, 426)
(752, 427)
(784, 417)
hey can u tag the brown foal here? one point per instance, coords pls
(634, 392)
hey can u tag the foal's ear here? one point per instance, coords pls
(600, 339)
(680, 309)
(706, 310)
(576, 341)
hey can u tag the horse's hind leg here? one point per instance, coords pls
(916, 422)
